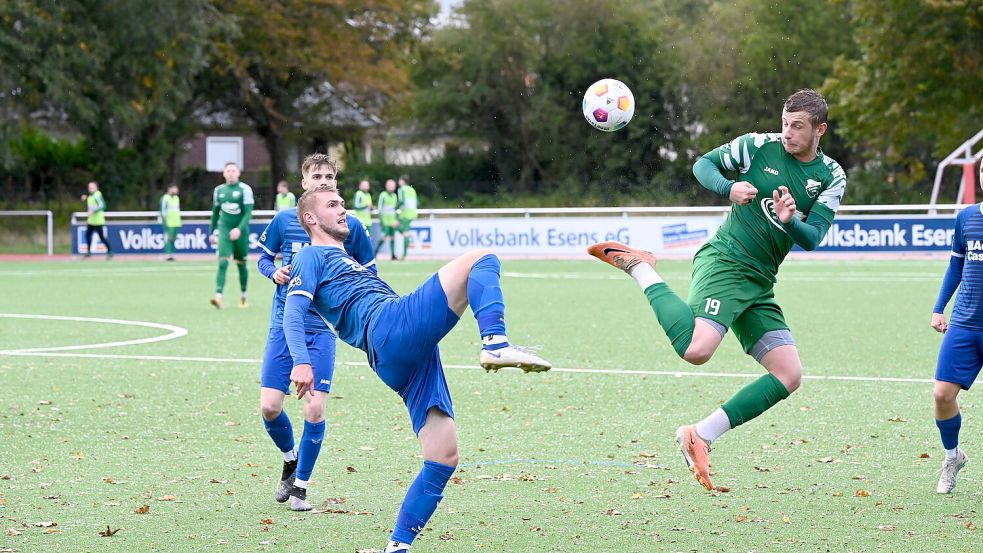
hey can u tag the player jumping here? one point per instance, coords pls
(400, 336)
(284, 235)
(788, 193)
(961, 354)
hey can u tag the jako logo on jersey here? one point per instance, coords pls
(772, 171)
(812, 187)
(294, 282)
(353, 264)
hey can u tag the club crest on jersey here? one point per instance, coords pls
(768, 207)
(771, 171)
(235, 193)
(812, 187)
(294, 282)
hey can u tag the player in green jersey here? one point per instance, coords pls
(170, 219)
(285, 199)
(388, 222)
(406, 210)
(787, 193)
(362, 204)
(232, 208)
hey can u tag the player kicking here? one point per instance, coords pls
(400, 336)
(961, 354)
(284, 235)
(788, 193)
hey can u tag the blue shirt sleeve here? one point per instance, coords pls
(270, 243)
(359, 244)
(954, 273)
(304, 279)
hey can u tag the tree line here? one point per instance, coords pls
(106, 90)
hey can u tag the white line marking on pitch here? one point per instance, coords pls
(677, 374)
(173, 332)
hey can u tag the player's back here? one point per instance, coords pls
(345, 293)
(968, 242)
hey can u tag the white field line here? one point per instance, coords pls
(173, 332)
(625, 372)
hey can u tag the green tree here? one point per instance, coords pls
(121, 74)
(913, 93)
(282, 50)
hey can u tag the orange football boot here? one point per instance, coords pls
(621, 256)
(696, 451)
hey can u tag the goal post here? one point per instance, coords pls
(965, 156)
(49, 226)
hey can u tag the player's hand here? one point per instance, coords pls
(743, 193)
(784, 204)
(938, 322)
(234, 234)
(213, 239)
(282, 275)
(303, 376)
(85, 197)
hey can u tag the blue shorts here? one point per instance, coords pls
(277, 362)
(960, 356)
(403, 350)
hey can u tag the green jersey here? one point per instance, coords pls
(232, 206)
(387, 208)
(362, 205)
(96, 206)
(752, 235)
(285, 201)
(170, 210)
(407, 202)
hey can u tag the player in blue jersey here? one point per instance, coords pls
(961, 354)
(284, 235)
(400, 336)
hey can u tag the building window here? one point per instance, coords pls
(220, 150)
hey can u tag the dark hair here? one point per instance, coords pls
(809, 101)
(405, 178)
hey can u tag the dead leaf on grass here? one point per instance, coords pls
(109, 532)
(887, 527)
(142, 510)
(862, 493)
(165, 498)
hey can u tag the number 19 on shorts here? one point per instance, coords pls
(712, 307)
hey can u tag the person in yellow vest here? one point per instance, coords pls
(96, 222)
(388, 223)
(170, 219)
(285, 199)
(362, 204)
(406, 210)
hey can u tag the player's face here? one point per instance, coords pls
(322, 174)
(799, 136)
(331, 216)
(92, 188)
(231, 173)
(363, 186)
(390, 186)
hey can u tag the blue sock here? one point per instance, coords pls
(310, 447)
(486, 299)
(421, 500)
(281, 431)
(949, 429)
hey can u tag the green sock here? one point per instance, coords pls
(674, 315)
(223, 266)
(243, 274)
(754, 399)
(406, 245)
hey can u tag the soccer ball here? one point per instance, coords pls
(608, 105)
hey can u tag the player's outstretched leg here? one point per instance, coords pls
(674, 314)
(475, 279)
(281, 431)
(949, 421)
(438, 438)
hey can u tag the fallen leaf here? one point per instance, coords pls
(862, 493)
(887, 527)
(6, 477)
(969, 525)
(636, 495)
(78, 455)
(786, 519)
(350, 469)
(898, 419)
(446, 536)
(333, 501)
(217, 481)
(266, 521)
(368, 551)
(142, 510)
(366, 448)
(722, 489)
(647, 455)
(44, 402)
(231, 423)
(741, 518)
(165, 498)
(826, 459)
(837, 494)
(109, 532)
(458, 480)
(108, 480)
(762, 469)
(46, 524)
(612, 512)
(535, 529)
(805, 408)
(924, 456)
(12, 532)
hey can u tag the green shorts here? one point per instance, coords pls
(238, 249)
(387, 228)
(404, 225)
(730, 295)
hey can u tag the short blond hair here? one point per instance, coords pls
(314, 161)
(306, 203)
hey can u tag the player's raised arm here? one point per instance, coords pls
(304, 278)
(270, 244)
(733, 156)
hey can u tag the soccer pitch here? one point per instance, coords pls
(163, 439)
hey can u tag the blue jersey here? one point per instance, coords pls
(343, 292)
(284, 235)
(967, 245)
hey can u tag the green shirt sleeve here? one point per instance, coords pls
(248, 201)
(215, 209)
(809, 233)
(711, 175)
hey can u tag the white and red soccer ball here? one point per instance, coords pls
(608, 105)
